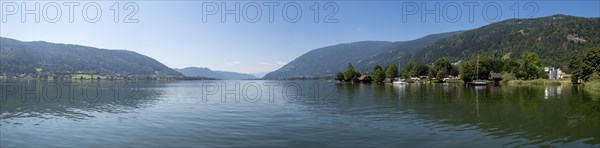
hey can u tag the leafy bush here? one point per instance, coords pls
(508, 76)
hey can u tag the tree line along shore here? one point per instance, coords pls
(528, 70)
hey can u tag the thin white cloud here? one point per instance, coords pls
(280, 62)
(233, 63)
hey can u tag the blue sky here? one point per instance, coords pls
(174, 33)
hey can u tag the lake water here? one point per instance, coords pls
(293, 113)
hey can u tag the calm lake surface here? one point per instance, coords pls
(293, 113)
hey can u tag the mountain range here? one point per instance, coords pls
(17, 57)
(362, 55)
(554, 38)
(206, 72)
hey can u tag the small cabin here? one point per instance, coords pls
(362, 79)
(495, 77)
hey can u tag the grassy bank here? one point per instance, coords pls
(455, 81)
(540, 82)
(594, 86)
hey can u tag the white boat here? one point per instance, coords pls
(398, 81)
(480, 82)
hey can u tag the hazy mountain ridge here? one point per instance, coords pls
(363, 55)
(17, 57)
(260, 74)
(206, 72)
(327, 60)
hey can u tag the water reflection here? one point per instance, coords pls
(338, 115)
(523, 115)
(552, 91)
(76, 100)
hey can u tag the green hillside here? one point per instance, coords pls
(554, 38)
(17, 57)
(364, 55)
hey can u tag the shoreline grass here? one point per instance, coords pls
(539, 82)
(455, 81)
(594, 86)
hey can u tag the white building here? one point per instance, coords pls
(553, 73)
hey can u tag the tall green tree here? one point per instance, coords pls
(441, 68)
(413, 69)
(493, 65)
(378, 75)
(590, 64)
(454, 71)
(467, 70)
(530, 66)
(406, 72)
(391, 71)
(510, 66)
(350, 73)
(477, 68)
(576, 69)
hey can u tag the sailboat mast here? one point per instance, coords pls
(477, 72)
